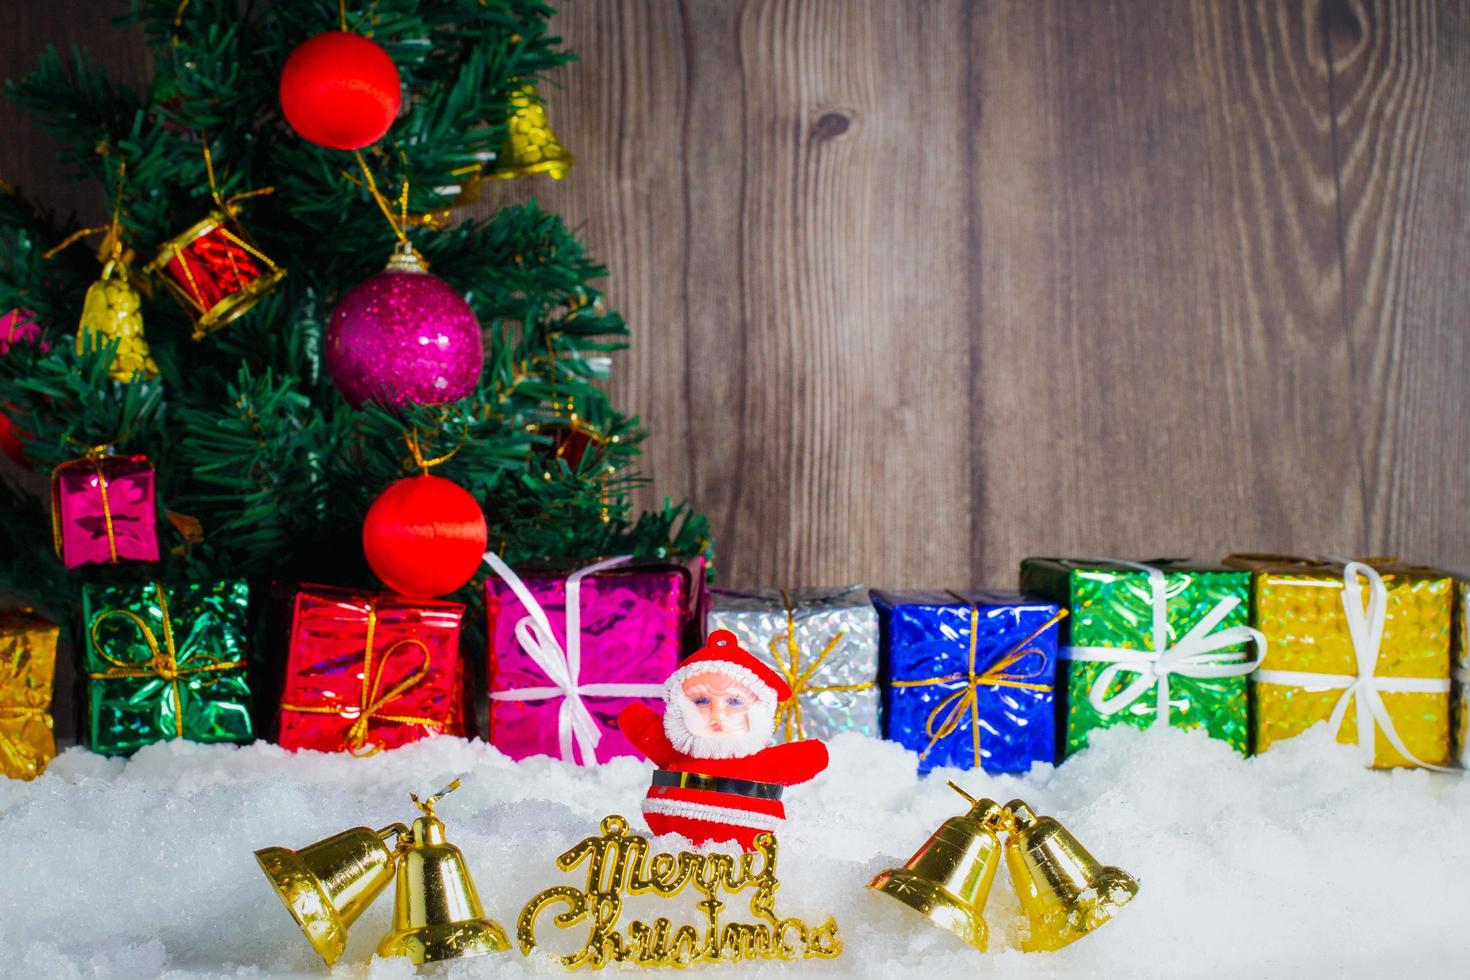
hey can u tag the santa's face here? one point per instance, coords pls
(721, 704)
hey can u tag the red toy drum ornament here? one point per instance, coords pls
(340, 90)
(215, 271)
(424, 536)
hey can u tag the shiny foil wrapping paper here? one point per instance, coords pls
(833, 666)
(166, 662)
(27, 670)
(80, 515)
(1299, 606)
(1112, 606)
(926, 670)
(368, 671)
(637, 622)
(1460, 680)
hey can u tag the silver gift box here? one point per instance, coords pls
(837, 692)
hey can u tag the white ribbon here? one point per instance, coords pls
(1365, 629)
(1199, 653)
(563, 666)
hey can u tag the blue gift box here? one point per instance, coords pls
(969, 677)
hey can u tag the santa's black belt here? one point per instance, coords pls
(718, 784)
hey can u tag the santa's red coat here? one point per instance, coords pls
(706, 815)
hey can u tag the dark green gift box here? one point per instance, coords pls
(166, 662)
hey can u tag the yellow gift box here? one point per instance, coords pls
(27, 670)
(1364, 646)
(1462, 673)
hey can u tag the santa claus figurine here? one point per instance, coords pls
(717, 780)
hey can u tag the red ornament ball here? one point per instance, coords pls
(10, 443)
(424, 536)
(340, 90)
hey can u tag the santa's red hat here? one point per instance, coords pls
(723, 654)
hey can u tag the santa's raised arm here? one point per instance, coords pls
(717, 779)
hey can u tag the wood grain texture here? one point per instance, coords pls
(918, 289)
(1161, 354)
(775, 185)
(27, 154)
(1401, 117)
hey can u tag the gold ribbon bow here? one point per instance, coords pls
(94, 457)
(164, 662)
(966, 700)
(370, 704)
(788, 713)
(20, 758)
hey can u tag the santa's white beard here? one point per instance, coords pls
(681, 717)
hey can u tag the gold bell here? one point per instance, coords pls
(436, 913)
(530, 146)
(328, 885)
(1064, 891)
(948, 879)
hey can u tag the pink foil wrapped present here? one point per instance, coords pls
(569, 651)
(368, 671)
(18, 326)
(102, 510)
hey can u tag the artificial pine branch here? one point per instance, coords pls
(263, 469)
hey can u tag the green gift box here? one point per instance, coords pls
(166, 662)
(1159, 643)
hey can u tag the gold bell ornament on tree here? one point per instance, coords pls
(436, 912)
(530, 146)
(112, 310)
(1064, 892)
(214, 269)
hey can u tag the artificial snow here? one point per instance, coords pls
(1297, 863)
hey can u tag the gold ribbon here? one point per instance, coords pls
(164, 662)
(966, 700)
(788, 713)
(370, 703)
(94, 458)
(113, 228)
(414, 443)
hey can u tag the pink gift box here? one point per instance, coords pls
(103, 512)
(18, 326)
(637, 620)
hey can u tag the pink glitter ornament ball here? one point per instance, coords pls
(404, 337)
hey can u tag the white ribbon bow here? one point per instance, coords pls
(1199, 653)
(1365, 629)
(563, 666)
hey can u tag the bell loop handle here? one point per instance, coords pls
(395, 830)
(427, 805)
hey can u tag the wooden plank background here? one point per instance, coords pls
(921, 288)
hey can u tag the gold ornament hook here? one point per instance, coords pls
(427, 805)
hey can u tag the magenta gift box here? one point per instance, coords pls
(103, 512)
(637, 621)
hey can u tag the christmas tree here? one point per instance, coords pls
(263, 469)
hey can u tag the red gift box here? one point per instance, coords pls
(368, 671)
